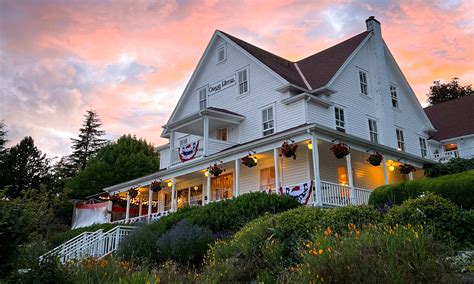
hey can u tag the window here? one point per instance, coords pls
(183, 142)
(423, 148)
(268, 122)
(222, 134)
(221, 54)
(393, 95)
(340, 124)
(373, 131)
(400, 140)
(363, 82)
(243, 81)
(202, 98)
(267, 178)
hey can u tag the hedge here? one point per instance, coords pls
(458, 188)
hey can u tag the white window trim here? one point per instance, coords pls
(396, 96)
(403, 141)
(272, 106)
(359, 70)
(180, 139)
(248, 81)
(376, 132)
(219, 48)
(343, 121)
(199, 97)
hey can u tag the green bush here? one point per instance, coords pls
(443, 217)
(458, 188)
(59, 238)
(454, 166)
(222, 218)
(371, 255)
(269, 245)
(185, 243)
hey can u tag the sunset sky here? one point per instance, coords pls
(130, 60)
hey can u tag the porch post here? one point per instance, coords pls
(237, 176)
(208, 187)
(173, 193)
(127, 210)
(277, 170)
(150, 199)
(171, 141)
(206, 135)
(317, 178)
(140, 206)
(385, 171)
(410, 176)
(351, 181)
(189, 196)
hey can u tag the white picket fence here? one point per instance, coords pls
(90, 244)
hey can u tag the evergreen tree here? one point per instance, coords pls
(3, 137)
(443, 92)
(89, 140)
(25, 167)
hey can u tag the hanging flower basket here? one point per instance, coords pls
(406, 169)
(288, 150)
(215, 170)
(133, 192)
(340, 150)
(156, 186)
(249, 161)
(375, 159)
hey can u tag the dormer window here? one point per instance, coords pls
(221, 54)
(202, 98)
(363, 82)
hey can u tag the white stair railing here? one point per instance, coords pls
(90, 244)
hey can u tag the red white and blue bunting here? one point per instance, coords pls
(301, 192)
(188, 152)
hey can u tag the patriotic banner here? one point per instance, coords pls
(87, 214)
(301, 192)
(188, 152)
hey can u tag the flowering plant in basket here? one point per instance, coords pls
(288, 150)
(249, 161)
(375, 159)
(156, 185)
(340, 150)
(215, 170)
(133, 192)
(406, 169)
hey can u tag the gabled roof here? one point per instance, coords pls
(453, 118)
(318, 69)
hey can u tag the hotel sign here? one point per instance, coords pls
(221, 85)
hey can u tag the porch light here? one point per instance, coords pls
(254, 159)
(196, 187)
(391, 168)
(169, 184)
(206, 173)
(310, 146)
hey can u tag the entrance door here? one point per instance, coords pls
(222, 187)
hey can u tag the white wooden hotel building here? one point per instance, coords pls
(244, 100)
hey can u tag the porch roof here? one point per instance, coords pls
(324, 133)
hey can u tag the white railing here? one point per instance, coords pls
(361, 196)
(143, 218)
(445, 156)
(334, 194)
(156, 216)
(90, 244)
(195, 200)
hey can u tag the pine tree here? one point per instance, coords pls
(3, 137)
(25, 167)
(89, 140)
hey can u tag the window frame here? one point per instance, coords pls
(423, 146)
(205, 100)
(181, 139)
(338, 121)
(373, 131)
(220, 131)
(394, 96)
(363, 84)
(272, 128)
(244, 82)
(219, 49)
(400, 139)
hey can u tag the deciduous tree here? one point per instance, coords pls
(443, 92)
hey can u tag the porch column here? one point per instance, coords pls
(140, 206)
(277, 170)
(237, 176)
(317, 179)
(385, 171)
(350, 179)
(150, 199)
(127, 210)
(206, 135)
(189, 196)
(171, 141)
(208, 187)
(173, 193)
(410, 176)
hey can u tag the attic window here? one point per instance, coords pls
(363, 82)
(221, 54)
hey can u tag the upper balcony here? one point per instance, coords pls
(445, 156)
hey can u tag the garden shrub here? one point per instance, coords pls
(222, 218)
(454, 166)
(185, 242)
(458, 188)
(443, 217)
(401, 254)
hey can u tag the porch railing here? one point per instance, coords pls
(334, 194)
(445, 156)
(143, 218)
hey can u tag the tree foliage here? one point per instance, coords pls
(24, 167)
(89, 141)
(3, 137)
(443, 92)
(114, 163)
